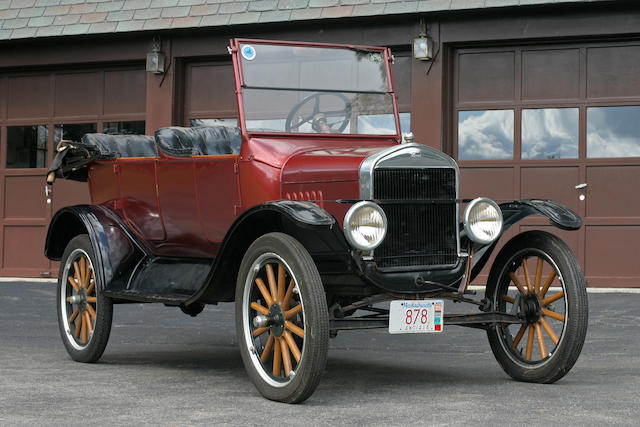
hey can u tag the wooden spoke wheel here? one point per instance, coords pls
(84, 315)
(537, 277)
(281, 318)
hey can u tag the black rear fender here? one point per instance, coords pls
(311, 225)
(559, 216)
(116, 252)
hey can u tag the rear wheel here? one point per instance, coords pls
(281, 318)
(538, 277)
(84, 314)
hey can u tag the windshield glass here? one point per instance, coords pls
(303, 89)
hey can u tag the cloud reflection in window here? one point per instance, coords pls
(550, 133)
(613, 131)
(485, 134)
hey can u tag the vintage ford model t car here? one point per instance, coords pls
(310, 216)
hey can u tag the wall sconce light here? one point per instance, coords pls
(423, 45)
(155, 58)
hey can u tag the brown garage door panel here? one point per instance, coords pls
(29, 97)
(77, 94)
(487, 76)
(24, 198)
(562, 64)
(606, 185)
(210, 88)
(622, 241)
(551, 183)
(67, 193)
(495, 183)
(613, 71)
(125, 91)
(26, 245)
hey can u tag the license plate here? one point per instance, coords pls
(416, 316)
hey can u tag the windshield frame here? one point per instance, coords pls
(241, 85)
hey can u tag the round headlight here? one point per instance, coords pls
(365, 226)
(483, 220)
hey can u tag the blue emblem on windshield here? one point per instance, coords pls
(248, 52)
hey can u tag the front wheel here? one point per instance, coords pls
(538, 277)
(282, 319)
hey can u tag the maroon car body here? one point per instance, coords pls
(270, 214)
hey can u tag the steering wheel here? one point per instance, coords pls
(312, 118)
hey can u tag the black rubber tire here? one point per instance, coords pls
(316, 319)
(97, 343)
(569, 346)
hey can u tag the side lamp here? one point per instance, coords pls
(155, 59)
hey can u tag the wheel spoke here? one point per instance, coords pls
(83, 272)
(546, 285)
(88, 274)
(550, 332)
(552, 314)
(259, 331)
(268, 349)
(92, 284)
(536, 285)
(281, 283)
(79, 323)
(516, 282)
(259, 308)
(73, 315)
(286, 357)
(69, 300)
(295, 329)
(293, 312)
(519, 335)
(541, 346)
(287, 297)
(264, 291)
(526, 275)
(73, 284)
(91, 311)
(92, 299)
(292, 345)
(529, 343)
(277, 358)
(87, 320)
(76, 273)
(552, 298)
(507, 298)
(84, 330)
(271, 278)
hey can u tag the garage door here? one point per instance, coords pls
(560, 122)
(37, 110)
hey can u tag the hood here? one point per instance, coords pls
(316, 160)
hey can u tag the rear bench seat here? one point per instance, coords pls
(122, 145)
(199, 141)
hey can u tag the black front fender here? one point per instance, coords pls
(559, 216)
(316, 229)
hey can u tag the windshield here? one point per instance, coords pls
(304, 89)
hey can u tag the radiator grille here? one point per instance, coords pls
(420, 205)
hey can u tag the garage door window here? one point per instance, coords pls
(27, 146)
(73, 132)
(124, 128)
(485, 135)
(613, 131)
(550, 133)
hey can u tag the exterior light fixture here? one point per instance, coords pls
(423, 45)
(155, 58)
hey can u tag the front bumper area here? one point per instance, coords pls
(415, 281)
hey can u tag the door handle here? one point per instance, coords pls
(581, 186)
(47, 190)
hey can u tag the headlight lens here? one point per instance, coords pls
(365, 226)
(483, 220)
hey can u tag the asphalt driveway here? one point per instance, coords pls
(163, 367)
